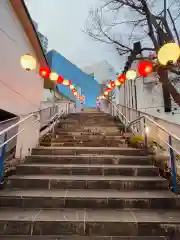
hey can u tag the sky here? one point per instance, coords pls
(62, 21)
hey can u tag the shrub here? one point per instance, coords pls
(138, 141)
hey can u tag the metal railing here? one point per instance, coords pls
(47, 114)
(11, 133)
(144, 125)
(5, 124)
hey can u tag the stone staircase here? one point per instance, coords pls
(88, 185)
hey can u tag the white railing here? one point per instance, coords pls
(5, 124)
(155, 130)
(47, 114)
(24, 134)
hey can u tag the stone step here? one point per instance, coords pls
(87, 132)
(67, 138)
(90, 159)
(89, 115)
(61, 130)
(35, 237)
(88, 150)
(89, 144)
(86, 141)
(90, 222)
(92, 120)
(94, 124)
(93, 199)
(86, 169)
(86, 182)
(84, 129)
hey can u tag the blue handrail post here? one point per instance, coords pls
(173, 166)
(145, 134)
(2, 159)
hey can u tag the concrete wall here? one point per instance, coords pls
(21, 91)
(48, 95)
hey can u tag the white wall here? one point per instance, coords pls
(149, 98)
(20, 92)
(48, 95)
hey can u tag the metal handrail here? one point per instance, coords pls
(172, 150)
(9, 120)
(149, 119)
(143, 112)
(49, 120)
(114, 105)
(21, 121)
(15, 135)
(16, 124)
(155, 123)
(170, 134)
(53, 121)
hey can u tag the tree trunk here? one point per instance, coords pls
(167, 86)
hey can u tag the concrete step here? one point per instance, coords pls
(67, 138)
(93, 199)
(95, 119)
(75, 131)
(89, 150)
(89, 144)
(86, 141)
(90, 124)
(86, 182)
(89, 115)
(35, 237)
(82, 128)
(90, 222)
(90, 159)
(88, 169)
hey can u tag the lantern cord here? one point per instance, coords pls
(18, 93)
(7, 35)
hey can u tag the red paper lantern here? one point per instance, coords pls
(67, 82)
(44, 72)
(70, 82)
(106, 94)
(145, 68)
(60, 80)
(75, 94)
(122, 78)
(73, 90)
(112, 83)
(108, 89)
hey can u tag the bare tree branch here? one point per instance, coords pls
(135, 20)
(174, 26)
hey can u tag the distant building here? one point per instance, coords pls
(102, 71)
(89, 86)
(43, 39)
(35, 25)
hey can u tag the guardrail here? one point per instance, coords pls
(24, 133)
(144, 125)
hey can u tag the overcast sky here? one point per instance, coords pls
(62, 22)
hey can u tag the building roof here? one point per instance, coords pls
(26, 21)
